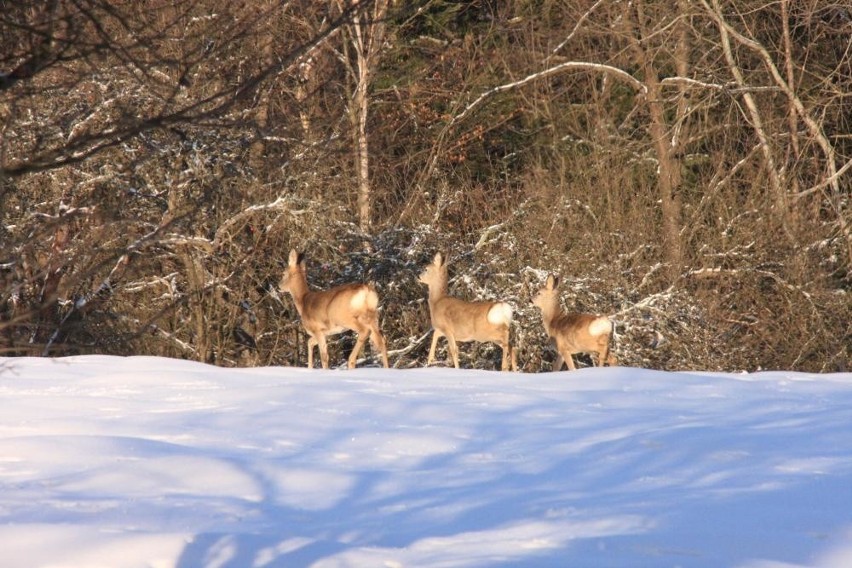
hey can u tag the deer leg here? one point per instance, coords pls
(607, 356)
(569, 360)
(359, 345)
(507, 352)
(435, 336)
(504, 361)
(565, 351)
(378, 341)
(312, 342)
(610, 360)
(323, 348)
(454, 350)
(557, 363)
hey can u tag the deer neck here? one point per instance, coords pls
(299, 289)
(549, 312)
(437, 291)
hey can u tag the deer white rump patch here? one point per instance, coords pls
(364, 299)
(500, 313)
(600, 326)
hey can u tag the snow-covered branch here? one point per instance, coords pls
(733, 88)
(562, 67)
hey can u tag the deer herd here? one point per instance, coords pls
(355, 307)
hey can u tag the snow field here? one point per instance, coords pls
(150, 462)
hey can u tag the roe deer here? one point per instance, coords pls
(573, 333)
(458, 320)
(329, 312)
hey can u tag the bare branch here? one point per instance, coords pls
(831, 180)
(732, 88)
(566, 66)
(813, 127)
(580, 21)
(214, 105)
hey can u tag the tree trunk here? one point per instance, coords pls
(366, 34)
(668, 170)
(362, 165)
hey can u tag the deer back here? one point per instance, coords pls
(349, 306)
(471, 321)
(581, 332)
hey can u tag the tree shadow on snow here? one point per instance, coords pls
(562, 477)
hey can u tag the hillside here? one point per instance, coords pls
(685, 167)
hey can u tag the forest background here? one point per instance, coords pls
(684, 165)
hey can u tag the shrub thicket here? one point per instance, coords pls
(160, 159)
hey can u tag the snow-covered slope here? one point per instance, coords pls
(142, 461)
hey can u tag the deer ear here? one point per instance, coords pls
(552, 282)
(439, 259)
(294, 258)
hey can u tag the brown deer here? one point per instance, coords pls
(329, 312)
(458, 320)
(573, 332)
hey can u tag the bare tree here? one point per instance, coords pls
(833, 172)
(663, 139)
(109, 113)
(361, 48)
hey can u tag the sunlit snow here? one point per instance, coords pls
(148, 462)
